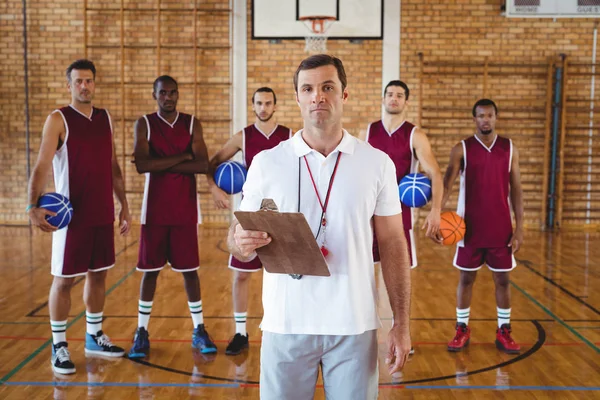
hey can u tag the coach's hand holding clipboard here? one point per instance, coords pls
(289, 247)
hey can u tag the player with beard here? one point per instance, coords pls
(264, 134)
(407, 146)
(490, 183)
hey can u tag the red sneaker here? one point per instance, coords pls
(506, 343)
(461, 340)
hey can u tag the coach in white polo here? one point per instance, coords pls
(345, 188)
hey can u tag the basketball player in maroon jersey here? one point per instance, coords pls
(264, 134)
(407, 146)
(78, 144)
(488, 165)
(169, 150)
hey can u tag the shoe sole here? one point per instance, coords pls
(207, 351)
(62, 371)
(137, 355)
(457, 349)
(500, 347)
(231, 353)
(104, 353)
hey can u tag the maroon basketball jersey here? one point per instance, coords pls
(483, 199)
(169, 198)
(83, 166)
(255, 141)
(398, 146)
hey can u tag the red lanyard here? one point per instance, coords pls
(323, 206)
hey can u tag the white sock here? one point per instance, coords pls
(240, 322)
(144, 310)
(196, 311)
(503, 316)
(94, 322)
(462, 315)
(59, 331)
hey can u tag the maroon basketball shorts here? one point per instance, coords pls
(498, 259)
(251, 266)
(79, 249)
(412, 250)
(175, 244)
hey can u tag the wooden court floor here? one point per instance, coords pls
(555, 317)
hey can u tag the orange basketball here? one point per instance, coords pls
(452, 227)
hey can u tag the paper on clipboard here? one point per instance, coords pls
(293, 248)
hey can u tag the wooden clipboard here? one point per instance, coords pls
(293, 248)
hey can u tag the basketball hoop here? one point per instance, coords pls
(318, 25)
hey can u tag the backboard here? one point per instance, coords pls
(282, 19)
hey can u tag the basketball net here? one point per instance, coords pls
(316, 42)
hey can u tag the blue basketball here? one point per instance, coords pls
(59, 204)
(230, 177)
(415, 190)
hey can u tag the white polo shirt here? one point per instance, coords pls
(344, 303)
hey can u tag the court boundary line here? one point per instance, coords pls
(528, 264)
(238, 386)
(16, 369)
(560, 321)
(537, 345)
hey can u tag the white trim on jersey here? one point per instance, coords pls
(395, 130)
(147, 128)
(60, 163)
(511, 154)
(489, 149)
(91, 112)
(513, 266)
(462, 192)
(192, 126)
(241, 269)
(147, 181)
(244, 147)
(167, 122)
(59, 242)
(368, 132)
(291, 134)
(414, 162)
(112, 132)
(264, 134)
(413, 246)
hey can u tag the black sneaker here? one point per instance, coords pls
(61, 359)
(100, 345)
(237, 344)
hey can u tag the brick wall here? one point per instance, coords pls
(452, 31)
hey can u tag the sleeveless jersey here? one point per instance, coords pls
(83, 166)
(255, 141)
(169, 198)
(483, 199)
(398, 146)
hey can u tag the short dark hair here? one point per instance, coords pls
(265, 89)
(484, 102)
(81, 64)
(397, 83)
(163, 78)
(320, 60)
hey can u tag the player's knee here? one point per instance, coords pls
(467, 278)
(62, 284)
(190, 276)
(501, 279)
(151, 276)
(241, 277)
